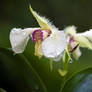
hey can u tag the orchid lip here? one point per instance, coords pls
(37, 35)
(72, 46)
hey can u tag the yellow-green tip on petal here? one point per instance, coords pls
(84, 42)
(62, 72)
(70, 30)
(42, 21)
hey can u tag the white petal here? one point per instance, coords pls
(70, 30)
(19, 38)
(58, 58)
(87, 34)
(45, 34)
(77, 53)
(83, 41)
(54, 45)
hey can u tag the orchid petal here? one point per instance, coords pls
(70, 30)
(19, 38)
(54, 45)
(58, 58)
(79, 37)
(42, 21)
(87, 34)
(77, 53)
(83, 41)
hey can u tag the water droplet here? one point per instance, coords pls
(71, 61)
(37, 87)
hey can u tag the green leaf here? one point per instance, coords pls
(83, 63)
(51, 79)
(80, 82)
(17, 74)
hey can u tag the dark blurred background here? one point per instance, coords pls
(15, 13)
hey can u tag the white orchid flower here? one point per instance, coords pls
(49, 41)
(77, 40)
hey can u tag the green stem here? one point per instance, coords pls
(65, 68)
(51, 64)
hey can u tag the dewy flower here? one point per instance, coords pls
(49, 41)
(77, 40)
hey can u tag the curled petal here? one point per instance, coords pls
(58, 58)
(77, 53)
(83, 41)
(54, 45)
(19, 38)
(87, 34)
(42, 21)
(70, 30)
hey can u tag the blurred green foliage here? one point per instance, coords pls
(25, 72)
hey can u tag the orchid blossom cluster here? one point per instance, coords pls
(49, 40)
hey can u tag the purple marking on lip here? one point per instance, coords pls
(71, 40)
(41, 35)
(73, 44)
(34, 34)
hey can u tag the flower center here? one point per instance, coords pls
(40, 35)
(73, 44)
(37, 35)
